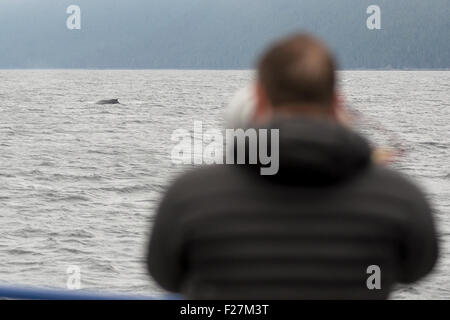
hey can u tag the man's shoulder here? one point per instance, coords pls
(395, 183)
(381, 177)
(206, 174)
(377, 182)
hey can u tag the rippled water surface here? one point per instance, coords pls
(79, 182)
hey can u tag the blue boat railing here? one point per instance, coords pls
(38, 293)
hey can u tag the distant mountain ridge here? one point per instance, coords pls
(219, 34)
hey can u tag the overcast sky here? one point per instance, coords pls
(219, 33)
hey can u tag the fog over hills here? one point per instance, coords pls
(219, 34)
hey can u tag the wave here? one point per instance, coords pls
(127, 189)
(46, 164)
(22, 252)
(437, 144)
(73, 234)
(112, 153)
(7, 175)
(60, 176)
(75, 251)
(74, 198)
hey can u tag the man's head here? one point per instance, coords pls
(296, 76)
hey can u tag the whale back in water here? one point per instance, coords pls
(109, 101)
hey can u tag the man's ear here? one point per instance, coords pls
(263, 109)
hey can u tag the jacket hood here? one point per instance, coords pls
(316, 151)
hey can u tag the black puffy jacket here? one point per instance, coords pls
(309, 232)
